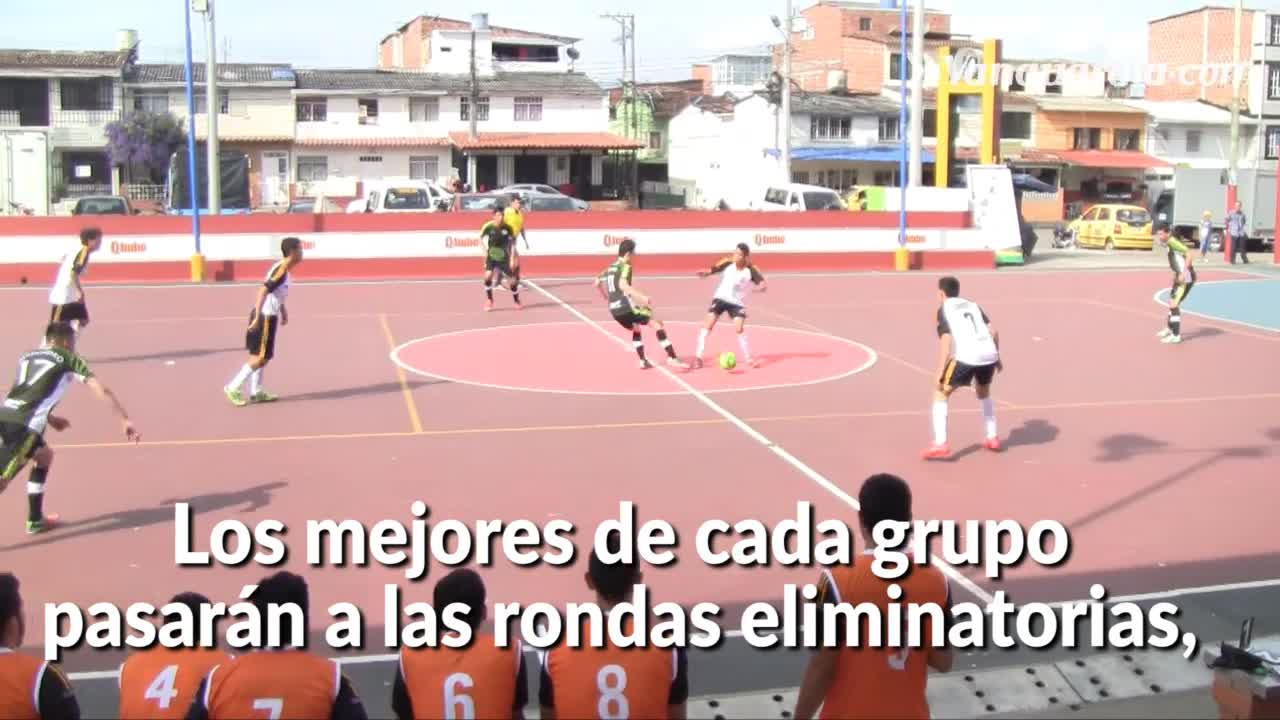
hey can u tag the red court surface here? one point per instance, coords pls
(1159, 459)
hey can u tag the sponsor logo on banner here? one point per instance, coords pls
(127, 248)
(614, 240)
(308, 244)
(762, 239)
(916, 240)
(451, 241)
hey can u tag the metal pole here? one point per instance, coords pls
(1233, 166)
(212, 106)
(635, 119)
(191, 137)
(786, 94)
(902, 127)
(916, 125)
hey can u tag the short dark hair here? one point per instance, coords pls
(282, 588)
(626, 247)
(59, 331)
(461, 586)
(288, 245)
(745, 248)
(613, 582)
(193, 601)
(884, 497)
(949, 286)
(90, 234)
(10, 597)
(1162, 227)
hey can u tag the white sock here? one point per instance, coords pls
(939, 422)
(238, 381)
(702, 342)
(255, 382)
(989, 417)
(742, 343)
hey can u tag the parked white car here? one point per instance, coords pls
(524, 188)
(402, 197)
(795, 197)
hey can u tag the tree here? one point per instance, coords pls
(144, 141)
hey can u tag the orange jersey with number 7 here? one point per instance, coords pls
(881, 682)
(272, 685)
(160, 683)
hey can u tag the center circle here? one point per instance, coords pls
(577, 358)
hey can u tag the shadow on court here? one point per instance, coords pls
(361, 391)
(1028, 434)
(1202, 333)
(1274, 434)
(775, 358)
(172, 355)
(248, 500)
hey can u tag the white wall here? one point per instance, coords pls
(253, 112)
(1169, 143)
(346, 167)
(457, 58)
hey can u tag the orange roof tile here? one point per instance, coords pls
(374, 142)
(544, 141)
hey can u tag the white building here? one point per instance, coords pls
(739, 75)
(729, 155)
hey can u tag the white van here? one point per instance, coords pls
(402, 197)
(795, 197)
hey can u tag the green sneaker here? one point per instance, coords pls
(263, 397)
(41, 526)
(235, 397)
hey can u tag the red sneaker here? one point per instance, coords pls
(992, 444)
(937, 452)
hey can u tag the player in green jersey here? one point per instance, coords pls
(43, 377)
(630, 308)
(1184, 278)
(499, 240)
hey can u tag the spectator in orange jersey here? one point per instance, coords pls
(30, 688)
(160, 683)
(612, 682)
(283, 684)
(480, 681)
(885, 682)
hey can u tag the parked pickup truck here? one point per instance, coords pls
(104, 205)
(402, 197)
(799, 198)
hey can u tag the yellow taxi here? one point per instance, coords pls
(1112, 226)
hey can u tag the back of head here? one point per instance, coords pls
(461, 586)
(282, 588)
(289, 245)
(89, 234)
(949, 286)
(884, 497)
(745, 249)
(192, 600)
(59, 333)
(613, 583)
(626, 247)
(1162, 228)
(10, 598)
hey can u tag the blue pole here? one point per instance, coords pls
(191, 135)
(905, 65)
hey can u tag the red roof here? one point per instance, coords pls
(544, 141)
(374, 142)
(1118, 159)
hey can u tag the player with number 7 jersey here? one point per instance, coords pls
(160, 683)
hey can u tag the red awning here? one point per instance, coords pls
(1117, 159)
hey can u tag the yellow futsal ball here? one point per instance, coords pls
(728, 361)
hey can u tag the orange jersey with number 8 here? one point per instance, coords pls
(160, 683)
(612, 682)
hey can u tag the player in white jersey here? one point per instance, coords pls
(67, 296)
(968, 353)
(269, 313)
(737, 276)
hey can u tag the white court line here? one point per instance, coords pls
(1218, 318)
(754, 434)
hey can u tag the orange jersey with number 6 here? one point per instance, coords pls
(160, 683)
(881, 683)
(273, 685)
(476, 682)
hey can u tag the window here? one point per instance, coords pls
(655, 141)
(1016, 77)
(312, 109)
(367, 110)
(800, 177)
(895, 67)
(889, 129)
(1193, 141)
(1053, 84)
(87, 94)
(424, 168)
(313, 169)
(424, 110)
(1087, 139)
(885, 178)
(1273, 81)
(827, 127)
(930, 123)
(1273, 30)
(1125, 139)
(864, 24)
(848, 178)
(482, 109)
(1015, 125)
(151, 103)
(528, 109)
(1272, 149)
(224, 103)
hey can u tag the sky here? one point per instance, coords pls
(671, 35)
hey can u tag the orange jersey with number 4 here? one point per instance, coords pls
(273, 685)
(476, 682)
(881, 683)
(160, 683)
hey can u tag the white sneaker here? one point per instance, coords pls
(1172, 339)
(678, 363)
(1164, 333)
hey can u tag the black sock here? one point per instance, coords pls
(1175, 321)
(515, 286)
(35, 500)
(666, 344)
(638, 341)
(488, 289)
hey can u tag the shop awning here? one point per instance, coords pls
(846, 153)
(1117, 159)
(544, 141)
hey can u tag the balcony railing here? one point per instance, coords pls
(10, 118)
(84, 118)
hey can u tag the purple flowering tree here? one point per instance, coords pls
(142, 143)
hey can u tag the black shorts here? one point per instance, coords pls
(631, 319)
(70, 311)
(260, 340)
(502, 266)
(720, 307)
(958, 374)
(17, 444)
(1182, 288)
